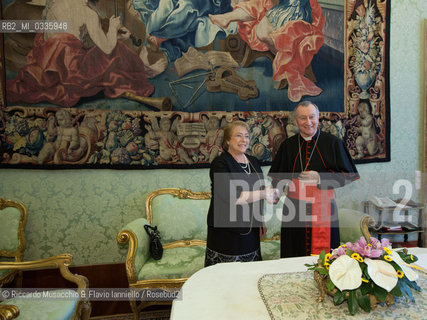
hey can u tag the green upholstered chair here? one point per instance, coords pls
(13, 219)
(180, 216)
(73, 307)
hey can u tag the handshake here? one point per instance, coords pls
(272, 195)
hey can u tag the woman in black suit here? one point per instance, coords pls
(235, 223)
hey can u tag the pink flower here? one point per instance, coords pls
(340, 251)
(373, 249)
(385, 243)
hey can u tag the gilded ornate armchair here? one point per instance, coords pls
(180, 215)
(62, 304)
(13, 219)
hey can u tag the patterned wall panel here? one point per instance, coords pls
(81, 211)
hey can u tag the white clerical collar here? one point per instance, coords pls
(308, 138)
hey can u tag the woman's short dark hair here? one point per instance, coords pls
(228, 130)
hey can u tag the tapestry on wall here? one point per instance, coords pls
(151, 84)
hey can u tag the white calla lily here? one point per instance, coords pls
(345, 273)
(409, 273)
(382, 273)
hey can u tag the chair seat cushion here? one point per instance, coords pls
(58, 308)
(270, 250)
(176, 263)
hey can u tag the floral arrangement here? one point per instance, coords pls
(366, 273)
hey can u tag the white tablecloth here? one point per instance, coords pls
(230, 290)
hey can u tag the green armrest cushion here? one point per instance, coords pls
(350, 224)
(143, 241)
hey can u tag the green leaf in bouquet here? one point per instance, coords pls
(353, 305)
(331, 285)
(339, 297)
(322, 256)
(366, 288)
(364, 301)
(412, 258)
(408, 258)
(365, 273)
(380, 293)
(311, 267)
(321, 270)
(395, 265)
(396, 291)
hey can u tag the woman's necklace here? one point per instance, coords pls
(246, 167)
(249, 165)
(311, 154)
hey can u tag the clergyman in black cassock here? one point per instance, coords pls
(320, 155)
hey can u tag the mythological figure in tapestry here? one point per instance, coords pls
(174, 26)
(291, 30)
(63, 67)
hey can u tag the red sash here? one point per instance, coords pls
(321, 212)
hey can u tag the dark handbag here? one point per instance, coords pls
(156, 248)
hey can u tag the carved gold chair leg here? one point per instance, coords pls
(8, 312)
(86, 309)
(137, 308)
(134, 309)
(19, 279)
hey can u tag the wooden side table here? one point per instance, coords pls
(384, 226)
